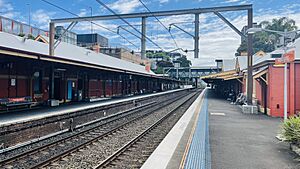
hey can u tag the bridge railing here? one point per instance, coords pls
(18, 28)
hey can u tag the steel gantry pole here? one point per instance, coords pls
(143, 38)
(249, 62)
(285, 90)
(196, 38)
(51, 38)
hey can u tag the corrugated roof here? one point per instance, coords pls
(70, 52)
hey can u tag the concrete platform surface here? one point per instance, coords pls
(34, 114)
(245, 141)
(237, 140)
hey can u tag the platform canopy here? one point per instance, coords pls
(222, 76)
(66, 53)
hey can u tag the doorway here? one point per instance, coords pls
(57, 88)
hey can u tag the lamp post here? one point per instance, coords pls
(284, 34)
(29, 15)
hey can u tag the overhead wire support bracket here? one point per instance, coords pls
(70, 27)
(171, 35)
(230, 24)
(119, 17)
(53, 22)
(118, 31)
(172, 24)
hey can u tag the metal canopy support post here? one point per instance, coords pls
(51, 83)
(196, 38)
(143, 38)
(249, 63)
(51, 38)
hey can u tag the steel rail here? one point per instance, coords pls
(111, 158)
(75, 148)
(110, 118)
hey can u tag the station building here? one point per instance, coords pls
(268, 80)
(73, 74)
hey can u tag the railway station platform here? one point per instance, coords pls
(8, 118)
(215, 134)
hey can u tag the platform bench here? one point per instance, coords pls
(16, 102)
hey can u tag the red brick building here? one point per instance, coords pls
(269, 85)
(268, 80)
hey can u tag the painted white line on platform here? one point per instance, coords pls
(161, 156)
(217, 114)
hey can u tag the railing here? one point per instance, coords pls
(18, 28)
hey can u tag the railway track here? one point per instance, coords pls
(45, 154)
(99, 151)
(134, 153)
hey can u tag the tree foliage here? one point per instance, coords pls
(184, 62)
(267, 41)
(164, 63)
(158, 54)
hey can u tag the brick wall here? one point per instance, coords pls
(276, 91)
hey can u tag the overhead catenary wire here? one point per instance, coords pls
(171, 35)
(112, 11)
(103, 27)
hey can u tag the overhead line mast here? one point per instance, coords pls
(143, 33)
(177, 47)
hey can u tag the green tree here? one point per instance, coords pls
(266, 41)
(161, 65)
(184, 62)
(280, 24)
(164, 63)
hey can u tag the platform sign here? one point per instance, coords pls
(13, 82)
(287, 58)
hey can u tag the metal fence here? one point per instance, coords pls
(18, 28)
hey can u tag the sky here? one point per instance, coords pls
(217, 40)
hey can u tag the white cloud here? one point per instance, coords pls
(163, 1)
(6, 9)
(83, 12)
(231, 1)
(217, 40)
(41, 18)
(125, 6)
(84, 27)
(5, 6)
